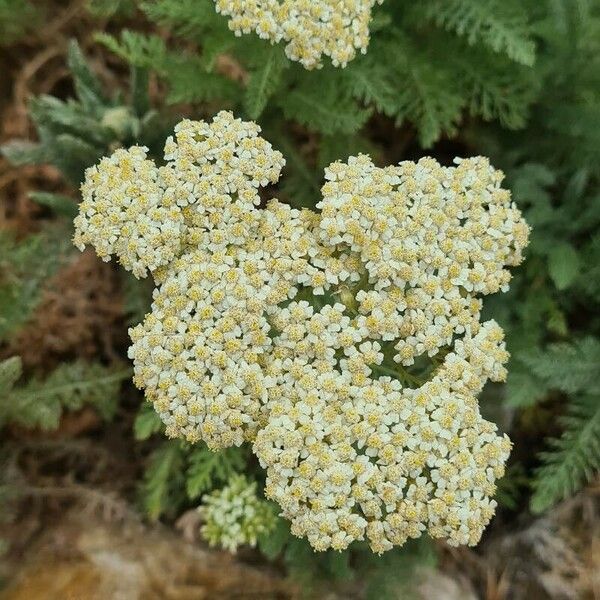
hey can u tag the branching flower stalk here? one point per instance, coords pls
(345, 345)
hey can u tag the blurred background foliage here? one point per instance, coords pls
(518, 81)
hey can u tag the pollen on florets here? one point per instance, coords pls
(311, 28)
(123, 212)
(203, 197)
(345, 345)
(200, 352)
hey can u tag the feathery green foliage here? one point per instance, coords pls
(207, 469)
(162, 489)
(503, 25)
(434, 78)
(39, 402)
(572, 459)
(147, 422)
(551, 313)
(110, 8)
(74, 134)
(178, 473)
(24, 267)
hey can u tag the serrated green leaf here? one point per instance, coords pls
(341, 115)
(570, 367)
(24, 268)
(563, 265)
(523, 389)
(187, 18)
(163, 486)
(139, 50)
(23, 152)
(61, 205)
(69, 118)
(428, 93)
(264, 81)
(40, 402)
(147, 422)
(110, 8)
(502, 25)
(572, 459)
(189, 82)
(372, 83)
(87, 86)
(272, 544)
(207, 468)
(317, 101)
(10, 372)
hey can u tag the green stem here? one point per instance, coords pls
(398, 373)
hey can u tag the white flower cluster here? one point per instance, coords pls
(346, 345)
(234, 515)
(203, 197)
(123, 212)
(200, 352)
(311, 28)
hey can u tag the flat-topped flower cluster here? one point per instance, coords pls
(311, 28)
(345, 345)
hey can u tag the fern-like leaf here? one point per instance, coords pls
(58, 203)
(187, 76)
(147, 422)
(24, 268)
(190, 82)
(187, 18)
(87, 86)
(569, 367)
(318, 102)
(264, 81)
(162, 489)
(428, 93)
(10, 372)
(40, 402)
(207, 468)
(500, 24)
(139, 50)
(371, 82)
(573, 458)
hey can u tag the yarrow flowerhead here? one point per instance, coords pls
(346, 345)
(124, 212)
(311, 28)
(234, 515)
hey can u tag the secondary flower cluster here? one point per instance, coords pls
(311, 28)
(345, 345)
(234, 515)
